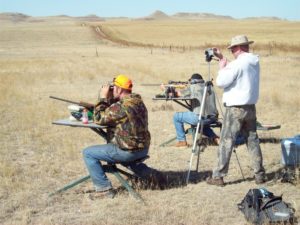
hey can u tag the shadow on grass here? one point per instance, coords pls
(271, 140)
(176, 179)
(163, 180)
(240, 141)
(282, 175)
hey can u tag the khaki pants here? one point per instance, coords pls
(239, 120)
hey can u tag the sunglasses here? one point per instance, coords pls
(233, 49)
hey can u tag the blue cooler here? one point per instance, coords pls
(290, 151)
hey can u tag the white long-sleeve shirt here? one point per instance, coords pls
(240, 80)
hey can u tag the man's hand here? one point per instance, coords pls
(104, 93)
(217, 53)
(222, 63)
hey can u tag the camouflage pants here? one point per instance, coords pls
(239, 120)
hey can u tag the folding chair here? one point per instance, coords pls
(113, 169)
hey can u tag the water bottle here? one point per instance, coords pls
(85, 119)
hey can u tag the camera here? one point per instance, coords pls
(209, 53)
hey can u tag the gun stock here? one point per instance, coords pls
(87, 105)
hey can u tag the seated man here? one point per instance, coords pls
(195, 90)
(128, 135)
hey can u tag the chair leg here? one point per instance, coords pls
(109, 169)
(127, 186)
(167, 142)
(70, 185)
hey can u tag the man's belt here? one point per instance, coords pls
(239, 106)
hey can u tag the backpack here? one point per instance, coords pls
(261, 207)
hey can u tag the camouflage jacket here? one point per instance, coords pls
(127, 120)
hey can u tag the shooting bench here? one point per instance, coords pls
(185, 102)
(112, 168)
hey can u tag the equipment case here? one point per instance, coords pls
(290, 155)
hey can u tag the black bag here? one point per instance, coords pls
(261, 207)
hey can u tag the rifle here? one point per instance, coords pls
(171, 83)
(86, 105)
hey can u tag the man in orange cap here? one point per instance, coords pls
(128, 135)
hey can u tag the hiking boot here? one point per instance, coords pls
(181, 144)
(218, 181)
(260, 180)
(216, 141)
(103, 194)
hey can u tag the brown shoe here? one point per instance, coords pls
(216, 141)
(218, 181)
(181, 144)
(260, 180)
(103, 194)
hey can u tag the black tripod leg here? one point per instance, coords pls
(237, 159)
(198, 157)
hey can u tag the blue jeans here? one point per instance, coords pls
(111, 153)
(191, 118)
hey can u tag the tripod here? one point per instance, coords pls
(200, 124)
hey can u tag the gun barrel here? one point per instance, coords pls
(87, 105)
(150, 84)
(166, 85)
(64, 100)
(178, 82)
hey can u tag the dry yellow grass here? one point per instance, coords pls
(59, 58)
(269, 34)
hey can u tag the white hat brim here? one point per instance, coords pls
(243, 43)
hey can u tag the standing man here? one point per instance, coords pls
(129, 138)
(240, 81)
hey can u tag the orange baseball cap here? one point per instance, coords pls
(123, 81)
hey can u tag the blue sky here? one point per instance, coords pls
(285, 9)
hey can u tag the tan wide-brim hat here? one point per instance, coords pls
(239, 40)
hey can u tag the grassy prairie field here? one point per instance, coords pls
(71, 59)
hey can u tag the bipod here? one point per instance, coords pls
(199, 127)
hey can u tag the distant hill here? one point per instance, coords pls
(91, 17)
(183, 15)
(14, 17)
(19, 17)
(263, 18)
(157, 15)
